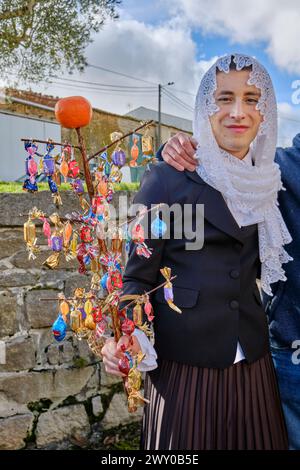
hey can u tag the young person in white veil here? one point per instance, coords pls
(213, 385)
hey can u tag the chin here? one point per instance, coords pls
(235, 149)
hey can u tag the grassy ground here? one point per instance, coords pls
(13, 187)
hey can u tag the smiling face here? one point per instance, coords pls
(236, 123)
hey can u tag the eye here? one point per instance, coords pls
(224, 99)
(252, 100)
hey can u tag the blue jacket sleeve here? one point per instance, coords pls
(158, 153)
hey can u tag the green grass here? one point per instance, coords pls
(13, 187)
(126, 186)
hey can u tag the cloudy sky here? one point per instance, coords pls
(161, 41)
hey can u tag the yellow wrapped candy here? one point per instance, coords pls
(138, 315)
(29, 231)
(73, 245)
(89, 322)
(88, 307)
(75, 320)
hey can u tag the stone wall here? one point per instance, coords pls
(52, 395)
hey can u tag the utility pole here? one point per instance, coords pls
(159, 116)
(160, 87)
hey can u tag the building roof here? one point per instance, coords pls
(168, 119)
(47, 102)
(32, 98)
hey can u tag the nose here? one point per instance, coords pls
(237, 111)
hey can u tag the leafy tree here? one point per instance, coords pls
(41, 37)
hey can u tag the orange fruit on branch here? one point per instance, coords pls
(73, 112)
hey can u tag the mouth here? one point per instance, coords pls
(238, 129)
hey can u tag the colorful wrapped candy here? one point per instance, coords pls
(48, 165)
(75, 320)
(119, 157)
(158, 227)
(90, 316)
(74, 169)
(168, 290)
(125, 363)
(56, 242)
(59, 328)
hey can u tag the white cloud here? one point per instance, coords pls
(247, 22)
(165, 51)
(288, 123)
(157, 53)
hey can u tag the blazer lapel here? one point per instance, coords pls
(215, 209)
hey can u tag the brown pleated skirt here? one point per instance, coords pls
(194, 408)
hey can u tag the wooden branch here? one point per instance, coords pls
(79, 147)
(87, 173)
(118, 140)
(149, 292)
(138, 295)
(141, 215)
(50, 142)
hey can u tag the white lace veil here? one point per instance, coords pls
(249, 191)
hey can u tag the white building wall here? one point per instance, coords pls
(12, 152)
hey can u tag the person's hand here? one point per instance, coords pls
(112, 352)
(179, 152)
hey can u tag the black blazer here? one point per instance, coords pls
(215, 286)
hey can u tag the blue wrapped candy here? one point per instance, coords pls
(158, 227)
(87, 260)
(52, 185)
(118, 267)
(59, 328)
(28, 186)
(103, 281)
(107, 169)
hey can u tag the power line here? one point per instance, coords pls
(178, 101)
(178, 104)
(135, 78)
(121, 74)
(104, 84)
(185, 92)
(104, 90)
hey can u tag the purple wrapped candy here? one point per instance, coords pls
(56, 243)
(83, 314)
(48, 165)
(119, 157)
(168, 293)
(78, 186)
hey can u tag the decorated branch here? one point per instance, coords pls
(91, 237)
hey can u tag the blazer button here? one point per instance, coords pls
(234, 304)
(234, 274)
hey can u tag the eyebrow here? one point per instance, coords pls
(248, 93)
